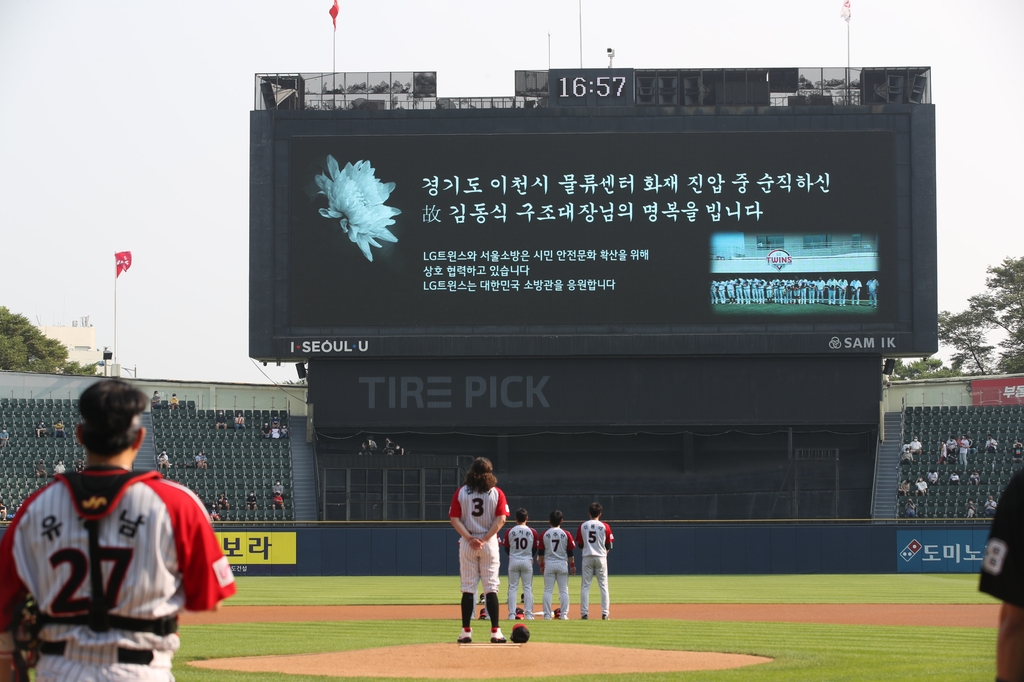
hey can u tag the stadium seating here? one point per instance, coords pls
(933, 425)
(18, 459)
(238, 462)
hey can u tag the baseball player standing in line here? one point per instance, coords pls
(595, 540)
(521, 544)
(478, 512)
(152, 537)
(556, 563)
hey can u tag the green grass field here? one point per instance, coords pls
(801, 651)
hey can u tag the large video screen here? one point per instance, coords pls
(517, 230)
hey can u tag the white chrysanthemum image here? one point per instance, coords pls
(356, 199)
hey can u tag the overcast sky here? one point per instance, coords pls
(125, 126)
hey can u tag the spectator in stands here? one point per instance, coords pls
(201, 460)
(275, 431)
(163, 461)
(1018, 450)
(239, 422)
(58, 429)
(41, 469)
(4, 437)
(393, 447)
(921, 485)
(910, 511)
(40, 429)
(277, 488)
(990, 507)
(275, 422)
(3, 511)
(154, 402)
(371, 444)
(991, 445)
(964, 445)
(906, 456)
(220, 421)
(972, 509)
(250, 501)
(284, 431)
(59, 467)
(951, 446)
(954, 478)
(278, 501)
(975, 478)
(79, 466)
(932, 477)
(904, 489)
(222, 502)
(265, 432)
(214, 515)
(174, 401)
(915, 447)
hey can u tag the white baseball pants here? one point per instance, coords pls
(594, 567)
(556, 572)
(479, 565)
(520, 571)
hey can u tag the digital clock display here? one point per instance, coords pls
(591, 87)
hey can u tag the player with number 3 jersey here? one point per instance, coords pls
(478, 512)
(556, 563)
(595, 540)
(521, 543)
(111, 556)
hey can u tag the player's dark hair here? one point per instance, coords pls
(596, 510)
(480, 477)
(555, 518)
(521, 515)
(110, 412)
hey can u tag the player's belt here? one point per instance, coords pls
(161, 627)
(136, 656)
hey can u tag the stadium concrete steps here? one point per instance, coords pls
(303, 471)
(887, 475)
(146, 459)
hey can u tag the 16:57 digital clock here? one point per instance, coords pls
(591, 87)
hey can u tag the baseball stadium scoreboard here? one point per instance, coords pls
(587, 221)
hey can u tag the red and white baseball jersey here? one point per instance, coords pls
(478, 510)
(594, 537)
(521, 541)
(158, 552)
(557, 544)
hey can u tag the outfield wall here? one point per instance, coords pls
(640, 548)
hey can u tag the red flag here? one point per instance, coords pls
(334, 15)
(122, 261)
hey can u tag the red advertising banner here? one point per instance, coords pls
(1008, 391)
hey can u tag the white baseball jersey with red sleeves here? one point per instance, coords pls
(521, 541)
(158, 552)
(478, 510)
(593, 537)
(557, 544)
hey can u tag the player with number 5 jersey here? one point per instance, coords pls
(595, 540)
(478, 512)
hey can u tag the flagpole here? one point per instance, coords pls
(116, 273)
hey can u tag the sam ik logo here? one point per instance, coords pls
(438, 392)
(329, 346)
(835, 343)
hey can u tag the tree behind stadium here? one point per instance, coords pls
(23, 348)
(999, 309)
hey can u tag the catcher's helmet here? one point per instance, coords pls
(520, 634)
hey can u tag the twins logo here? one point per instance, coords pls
(779, 258)
(910, 550)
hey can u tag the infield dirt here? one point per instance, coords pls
(452, 661)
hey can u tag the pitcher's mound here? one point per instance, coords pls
(452, 661)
